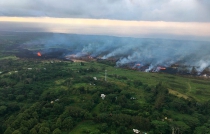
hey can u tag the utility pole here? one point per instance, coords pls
(105, 74)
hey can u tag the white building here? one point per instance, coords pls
(136, 131)
(103, 96)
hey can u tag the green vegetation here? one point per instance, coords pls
(43, 97)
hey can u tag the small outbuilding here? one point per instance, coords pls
(103, 96)
(136, 131)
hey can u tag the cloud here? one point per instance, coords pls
(143, 29)
(144, 10)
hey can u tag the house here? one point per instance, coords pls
(103, 96)
(136, 131)
(133, 98)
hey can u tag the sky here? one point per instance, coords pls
(177, 19)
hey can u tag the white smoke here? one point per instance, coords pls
(153, 52)
(202, 65)
(150, 68)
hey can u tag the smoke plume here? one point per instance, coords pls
(152, 52)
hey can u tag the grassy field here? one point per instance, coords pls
(8, 57)
(85, 127)
(181, 86)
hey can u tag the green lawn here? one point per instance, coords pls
(85, 127)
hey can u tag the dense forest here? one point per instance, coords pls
(61, 97)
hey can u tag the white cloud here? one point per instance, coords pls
(146, 10)
(147, 29)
